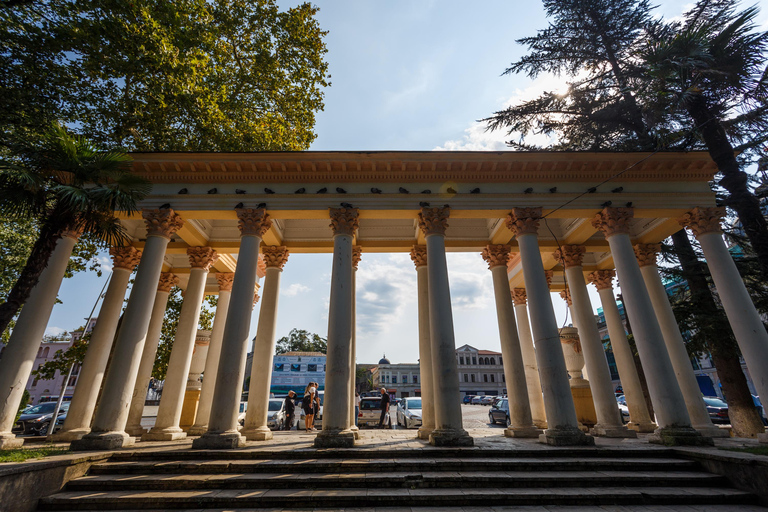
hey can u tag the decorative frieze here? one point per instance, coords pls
(646, 253)
(202, 257)
(524, 221)
(519, 296)
(225, 280)
(344, 221)
(167, 281)
(496, 255)
(613, 221)
(566, 296)
(125, 257)
(570, 255)
(602, 279)
(419, 255)
(162, 222)
(703, 220)
(253, 221)
(357, 255)
(434, 221)
(275, 256)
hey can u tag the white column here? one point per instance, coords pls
(147, 364)
(640, 418)
(20, 352)
(609, 422)
(225, 280)
(449, 430)
(222, 423)
(561, 413)
(169, 412)
(357, 254)
(668, 402)
(256, 416)
(419, 257)
(673, 339)
(521, 421)
(108, 430)
(336, 432)
(535, 397)
(80, 413)
(745, 321)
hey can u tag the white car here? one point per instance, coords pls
(409, 412)
(623, 409)
(276, 415)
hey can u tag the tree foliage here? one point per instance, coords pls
(299, 340)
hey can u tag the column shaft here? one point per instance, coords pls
(353, 352)
(425, 354)
(533, 384)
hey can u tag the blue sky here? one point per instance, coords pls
(406, 75)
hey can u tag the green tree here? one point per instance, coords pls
(64, 182)
(299, 340)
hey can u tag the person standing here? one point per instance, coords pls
(309, 408)
(357, 406)
(385, 401)
(290, 410)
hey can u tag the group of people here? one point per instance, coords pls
(310, 404)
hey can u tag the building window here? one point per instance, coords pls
(503, 378)
(415, 379)
(394, 379)
(493, 360)
(473, 377)
(466, 378)
(501, 363)
(493, 378)
(474, 360)
(311, 367)
(485, 377)
(72, 381)
(279, 367)
(461, 359)
(295, 367)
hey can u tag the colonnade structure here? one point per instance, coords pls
(216, 223)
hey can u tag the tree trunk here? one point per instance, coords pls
(734, 180)
(723, 348)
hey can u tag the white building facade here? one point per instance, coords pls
(481, 372)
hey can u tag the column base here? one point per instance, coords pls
(613, 431)
(679, 436)
(219, 441)
(523, 432)
(69, 435)
(197, 430)
(566, 436)
(102, 441)
(642, 428)
(355, 431)
(9, 441)
(541, 424)
(712, 431)
(762, 438)
(328, 438)
(136, 431)
(164, 434)
(423, 433)
(257, 434)
(450, 437)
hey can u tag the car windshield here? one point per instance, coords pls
(714, 402)
(275, 405)
(370, 404)
(413, 404)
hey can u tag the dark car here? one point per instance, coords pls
(717, 409)
(36, 418)
(467, 399)
(499, 412)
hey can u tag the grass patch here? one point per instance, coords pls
(22, 454)
(754, 450)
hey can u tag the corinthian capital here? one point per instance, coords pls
(73, 233)
(125, 257)
(253, 221)
(357, 255)
(434, 221)
(612, 221)
(602, 279)
(162, 223)
(524, 221)
(225, 280)
(646, 254)
(419, 255)
(703, 220)
(549, 274)
(566, 296)
(496, 255)
(202, 257)
(167, 281)
(261, 267)
(275, 256)
(519, 296)
(570, 255)
(344, 221)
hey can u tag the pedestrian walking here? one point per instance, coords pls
(290, 410)
(309, 410)
(385, 401)
(357, 406)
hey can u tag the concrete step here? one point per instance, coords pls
(376, 479)
(532, 464)
(522, 508)
(367, 498)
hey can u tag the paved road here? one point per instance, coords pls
(473, 416)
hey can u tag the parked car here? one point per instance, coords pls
(409, 412)
(760, 409)
(370, 412)
(276, 414)
(717, 409)
(467, 399)
(35, 419)
(241, 414)
(476, 400)
(499, 412)
(487, 400)
(623, 409)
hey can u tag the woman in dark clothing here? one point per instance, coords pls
(309, 409)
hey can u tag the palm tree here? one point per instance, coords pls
(64, 183)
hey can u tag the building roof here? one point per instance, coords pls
(488, 353)
(302, 354)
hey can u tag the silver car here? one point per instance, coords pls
(276, 415)
(409, 412)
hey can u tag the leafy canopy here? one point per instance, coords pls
(299, 340)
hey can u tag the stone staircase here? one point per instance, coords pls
(442, 479)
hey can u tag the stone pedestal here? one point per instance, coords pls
(334, 438)
(680, 436)
(189, 408)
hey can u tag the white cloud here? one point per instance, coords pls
(54, 331)
(105, 262)
(295, 289)
(470, 281)
(381, 301)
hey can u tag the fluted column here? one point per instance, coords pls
(357, 254)
(609, 422)
(561, 414)
(745, 321)
(256, 416)
(336, 431)
(521, 421)
(222, 423)
(668, 402)
(224, 280)
(449, 430)
(639, 417)
(80, 413)
(108, 431)
(20, 352)
(419, 258)
(533, 384)
(147, 364)
(673, 339)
